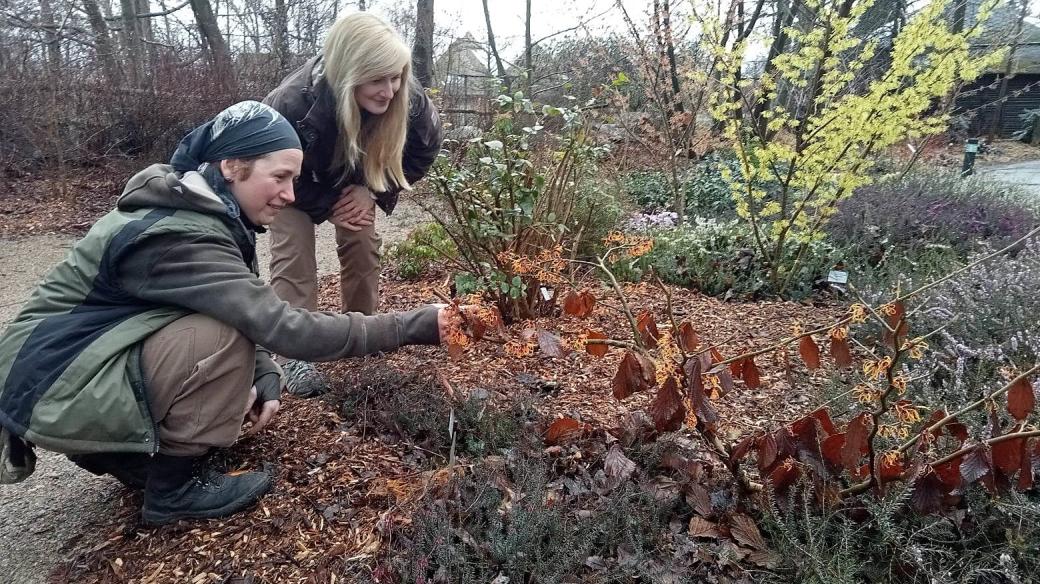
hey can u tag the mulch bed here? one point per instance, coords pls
(344, 493)
(46, 203)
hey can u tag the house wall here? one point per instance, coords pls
(1023, 94)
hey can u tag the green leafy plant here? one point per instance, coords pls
(413, 257)
(511, 197)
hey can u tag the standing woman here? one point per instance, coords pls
(368, 132)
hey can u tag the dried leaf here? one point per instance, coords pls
(810, 352)
(889, 469)
(784, 475)
(617, 466)
(563, 429)
(1021, 399)
(688, 338)
(716, 356)
(699, 499)
(840, 352)
(823, 416)
(927, 495)
(856, 445)
(552, 345)
(596, 349)
(976, 464)
(832, 447)
(701, 527)
(746, 533)
(579, 304)
(949, 473)
(897, 322)
(1025, 472)
(767, 452)
(635, 374)
(667, 409)
(749, 373)
(1007, 455)
(647, 327)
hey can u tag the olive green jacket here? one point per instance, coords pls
(70, 375)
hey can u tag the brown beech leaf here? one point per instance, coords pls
(856, 435)
(832, 447)
(736, 369)
(635, 374)
(617, 466)
(949, 473)
(927, 495)
(897, 322)
(810, 352)
(742, 448)
(701, 527)
(784, 475)
(956, 429)
(725, 378)
(749, 373)
(596, 349)
(667, 409)
(552, 345)
(889, 470)
(1021, 399)
(746, 533)
(840, 352)
(647, 327)
(1007, 455)
(1025, 472)
(579, 303)
(767, 452)
(716, 356)
(699, 499)
(823, 416)
(976, 464)
(562, 430)
(688, 338)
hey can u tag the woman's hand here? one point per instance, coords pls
(355, 209)
(259, 414)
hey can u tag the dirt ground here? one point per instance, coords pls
(53, 514)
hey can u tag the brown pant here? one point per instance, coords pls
(198, 372)
(294, 267)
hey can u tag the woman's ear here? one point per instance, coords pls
(228, 169)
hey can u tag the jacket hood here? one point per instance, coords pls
(159, 186)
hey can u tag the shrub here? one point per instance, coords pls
(719, 258)
(930, 208)
(706, 193)
(991, 316)
(413, 257)
(512, 195)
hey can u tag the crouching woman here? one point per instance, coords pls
(148, 345)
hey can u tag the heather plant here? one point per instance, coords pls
(990, 320)
(936, 208)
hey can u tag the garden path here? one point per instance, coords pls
(1022, 174)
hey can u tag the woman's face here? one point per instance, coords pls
(268, 188)
(374, 95)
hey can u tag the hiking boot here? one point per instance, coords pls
(175, 491)
(130, 468)
(303, 379)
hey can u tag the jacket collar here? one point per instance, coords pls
(322, 114)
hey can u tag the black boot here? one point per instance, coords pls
(175, 492)
(131, 468)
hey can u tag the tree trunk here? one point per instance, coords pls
(669, 47)
(281, 36)
(1009, 68)
(528, 61)
(53, 41)
(131, 42)
(783, 19)
(146, 34)
(102, 42)
(422, 48)
(212, 40)
(491, 44)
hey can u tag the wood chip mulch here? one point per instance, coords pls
(343, 492)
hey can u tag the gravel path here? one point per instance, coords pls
(58, 511)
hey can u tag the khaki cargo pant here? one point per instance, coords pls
(198, 372)
(294, 267)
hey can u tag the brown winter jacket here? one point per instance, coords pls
(306, 99)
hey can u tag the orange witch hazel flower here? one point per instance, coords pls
(915, 347)
(859, 313)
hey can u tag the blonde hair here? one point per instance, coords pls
(361, 47)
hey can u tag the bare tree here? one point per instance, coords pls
(102, 41)
(422, 48)
(51, 34)
(491, 44)
(211, 37)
